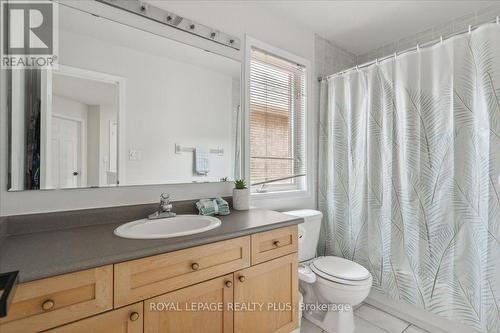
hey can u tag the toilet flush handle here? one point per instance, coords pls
(306, 274)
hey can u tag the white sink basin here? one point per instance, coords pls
(180, 225)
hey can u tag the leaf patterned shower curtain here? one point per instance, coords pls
(410, 176)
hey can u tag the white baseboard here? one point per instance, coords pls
(418, 317)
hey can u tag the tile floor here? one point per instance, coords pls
(369, 319)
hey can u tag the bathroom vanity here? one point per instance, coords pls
(251, 259)
(144, 110)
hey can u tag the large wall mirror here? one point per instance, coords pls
(124, 107)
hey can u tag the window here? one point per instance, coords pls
(277, 123)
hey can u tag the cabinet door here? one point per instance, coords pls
(54, 301)
(273, 286)
(201, 308)
(125, 320)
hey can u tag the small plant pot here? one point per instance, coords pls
(241, 199)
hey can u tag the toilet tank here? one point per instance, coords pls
(308, 232)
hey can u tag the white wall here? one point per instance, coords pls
(167, 102)
(248, 17)
(64, 106)
(107, 115)
(431, 33)
(93, 144)
(238, 18)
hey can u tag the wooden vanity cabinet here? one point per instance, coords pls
(140, 279)
(129, 319)
(274, 285)
(275, 243)
(46, 303)
(253, 278)
(184, 316)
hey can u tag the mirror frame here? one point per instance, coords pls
(125, 18)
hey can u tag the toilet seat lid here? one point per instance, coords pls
(340, 268)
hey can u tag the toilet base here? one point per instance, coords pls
(332, 321)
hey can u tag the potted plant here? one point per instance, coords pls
(241, 195)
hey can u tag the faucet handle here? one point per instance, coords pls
(164, 208)
(165, 202)
(165, 198)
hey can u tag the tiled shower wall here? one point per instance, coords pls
(432, 33)
(330, 58)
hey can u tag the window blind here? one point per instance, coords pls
(277, 121)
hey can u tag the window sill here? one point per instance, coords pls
(280, 194)
(283, 200)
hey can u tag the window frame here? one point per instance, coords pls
(283, 190)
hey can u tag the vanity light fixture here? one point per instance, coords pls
(173, 20)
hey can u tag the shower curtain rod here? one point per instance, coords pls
(413, 49)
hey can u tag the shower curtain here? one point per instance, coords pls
(410, 176)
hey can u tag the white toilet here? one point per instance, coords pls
(331, 286)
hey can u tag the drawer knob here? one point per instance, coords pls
(229, 284)
(134, 316)
(276, 243)
(241, 278)
(195, 266)
(47, 305)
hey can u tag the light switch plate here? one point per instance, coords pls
(134, 155)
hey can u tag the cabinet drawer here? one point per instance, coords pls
(129, 319)
(140, 279)
(50, 302)
(274, 243)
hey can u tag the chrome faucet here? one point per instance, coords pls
(164, 209)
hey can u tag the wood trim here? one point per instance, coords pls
(65, 298)
(264, 248)
(129, 319)
(152, 276)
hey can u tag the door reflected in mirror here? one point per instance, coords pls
(84, 126)
(124, 107)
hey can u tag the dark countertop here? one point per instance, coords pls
(52, 252)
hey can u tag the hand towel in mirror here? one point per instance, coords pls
(202, 160)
